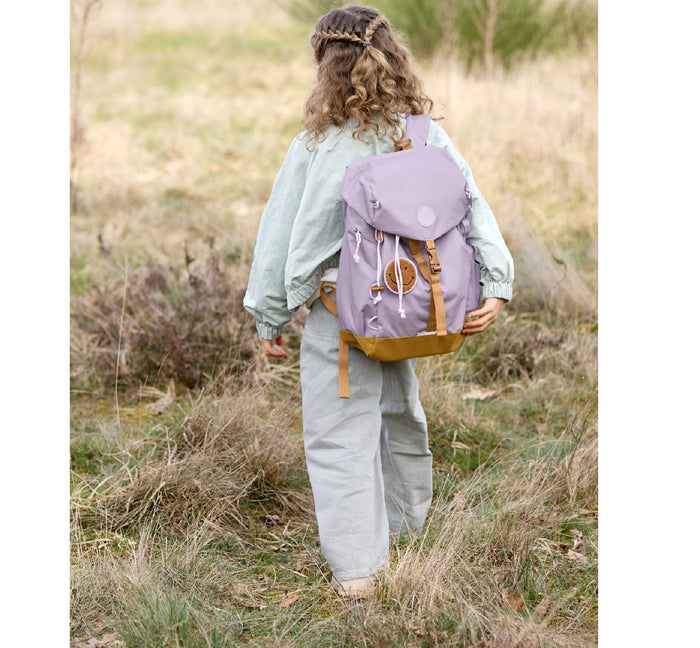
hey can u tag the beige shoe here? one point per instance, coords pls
(356, 587)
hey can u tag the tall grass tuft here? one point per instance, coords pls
(233, 457)
(164, 614)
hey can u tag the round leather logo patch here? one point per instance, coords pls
(409, 273)
(425, 215)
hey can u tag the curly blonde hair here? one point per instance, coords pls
(363, 72)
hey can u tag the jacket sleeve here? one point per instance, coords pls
(266, 297)
(484, 235)
(317, 233)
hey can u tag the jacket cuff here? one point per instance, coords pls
(267, 332)
(501, 290)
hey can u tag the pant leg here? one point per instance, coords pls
(342, 446)
(406, 457)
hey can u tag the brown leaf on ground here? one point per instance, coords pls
(576, 557)
(289, 600)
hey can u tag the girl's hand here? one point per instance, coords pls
(273, 348)
(483, 317)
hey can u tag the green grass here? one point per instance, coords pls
(79, 273)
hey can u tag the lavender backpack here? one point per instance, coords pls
(407, 276)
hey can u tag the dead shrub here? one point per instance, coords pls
(162, 324)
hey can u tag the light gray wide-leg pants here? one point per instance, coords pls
(367, 456)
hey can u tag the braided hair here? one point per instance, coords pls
(335, 35)
(363, 73)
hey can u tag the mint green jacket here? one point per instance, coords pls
(301, 228)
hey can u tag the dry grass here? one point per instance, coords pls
(177, 536)
(229, 456)
(188, 108)
(171, 539)
(170, 134)
(502, 558)
(531, 139)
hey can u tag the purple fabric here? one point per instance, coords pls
(417, 129)
(416, 194)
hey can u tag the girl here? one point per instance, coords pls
(367, 457)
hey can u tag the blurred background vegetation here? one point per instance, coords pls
(192, 519)
(482, 33)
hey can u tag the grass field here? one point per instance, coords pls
(192, 519)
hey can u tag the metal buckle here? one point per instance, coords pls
(433, 260)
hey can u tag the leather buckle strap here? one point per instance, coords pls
(437, 320)
(343, 368)
(433, 260)
(326, 298)
(343, 349)
(440, 316)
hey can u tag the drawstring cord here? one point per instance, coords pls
(378, 297)
(399, 277)
(358, 240)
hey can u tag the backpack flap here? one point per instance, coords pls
(419, 193)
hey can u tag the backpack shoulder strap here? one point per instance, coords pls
(417, 129)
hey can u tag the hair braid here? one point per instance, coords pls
(372, 27)
(332, 35)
